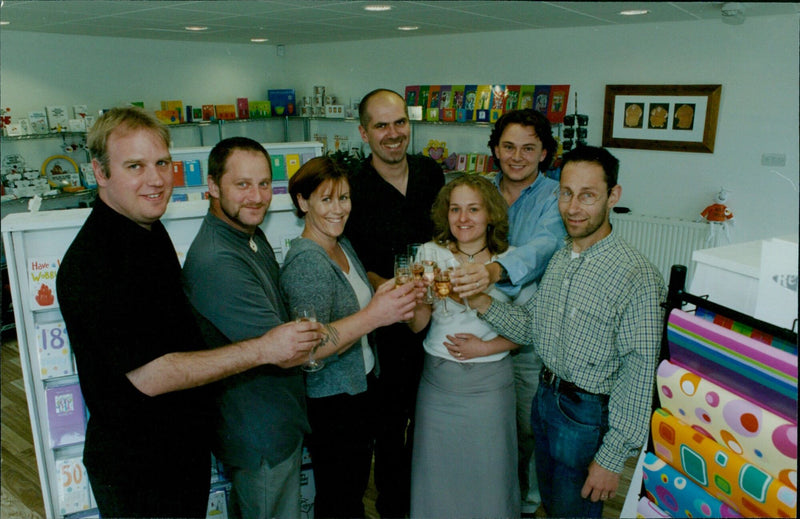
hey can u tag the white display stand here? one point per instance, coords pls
(49, 234)
(734, 276)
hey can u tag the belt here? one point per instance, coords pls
(568, 389)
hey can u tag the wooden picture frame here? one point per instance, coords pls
(661, 117)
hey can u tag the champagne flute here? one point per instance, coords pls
(402, 272)
(453, 265)
(305, 312)
(415, 257)
(429, 268)
(441, 283)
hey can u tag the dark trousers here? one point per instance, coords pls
(175, 492)
(341, 442)
(401, 357)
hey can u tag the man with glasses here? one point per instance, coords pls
(596, 323)
(523, 145)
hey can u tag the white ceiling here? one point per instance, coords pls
(292, 22)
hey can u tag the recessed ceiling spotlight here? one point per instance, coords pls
(408, 28)
(196, 28)
(259, 40)
(378, 7)
(4, 22)
(634, 12)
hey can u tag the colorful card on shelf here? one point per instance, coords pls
(758, 435)
(498, 98)
(526, 96)
(480, 163)
(80, 111)
(42, 279)
(512, 97)
(412, 95)
(721, 472)
(242, 108)
(66, 415)
(209, 114)
(282, 101)
(470, 104)
(483, 103)
(672, 493)
(738, 363)
(177, 106)
(292, 164)
(434, 92)
(541, 98)
(57, 118)
(445, 97)
(424, 91)
(178, 179)
(74, 494)
(557, 105)
(193, 173)
(38, 122)
(168, 116)
(458, 96)
(278, 167)
(461, 164)
(225, 112)
(260, 109)
(53, 349)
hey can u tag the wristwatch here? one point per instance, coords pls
(503, 273)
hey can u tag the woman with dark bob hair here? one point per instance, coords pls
(464, 462)
(322, 269)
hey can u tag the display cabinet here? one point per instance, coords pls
(34, 243)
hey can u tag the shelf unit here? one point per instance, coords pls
(47, 234)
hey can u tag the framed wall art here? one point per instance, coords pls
(661, 117)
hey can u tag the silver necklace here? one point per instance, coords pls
(471, 257)
(253, 245)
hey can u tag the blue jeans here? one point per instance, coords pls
(567, 431)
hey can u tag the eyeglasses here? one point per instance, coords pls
(585, 198)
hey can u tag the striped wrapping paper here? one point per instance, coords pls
(740, 364)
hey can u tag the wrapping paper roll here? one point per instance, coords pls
(670, 491)
(648, 510)
(757, 434)
(721, 472)
(741, 364)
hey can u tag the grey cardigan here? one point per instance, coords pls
(309, 275)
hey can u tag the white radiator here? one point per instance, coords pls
(664, 241)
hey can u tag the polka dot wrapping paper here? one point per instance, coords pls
(760, 436)
(672, 493)
(721, 472)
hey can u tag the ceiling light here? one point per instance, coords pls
(259, 40)
(634, 12)
(408, 28)
(196, 28)
(4, 22)
(732, 13)
(378, 7)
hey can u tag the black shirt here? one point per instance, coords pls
(383, 221)
(120, 295)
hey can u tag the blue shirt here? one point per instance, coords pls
(536, 230)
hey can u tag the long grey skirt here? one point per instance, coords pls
(464, 463)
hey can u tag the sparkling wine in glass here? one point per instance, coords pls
(305, 312)
(415, 257)
(442, 286)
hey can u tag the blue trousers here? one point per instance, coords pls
(567, 431)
